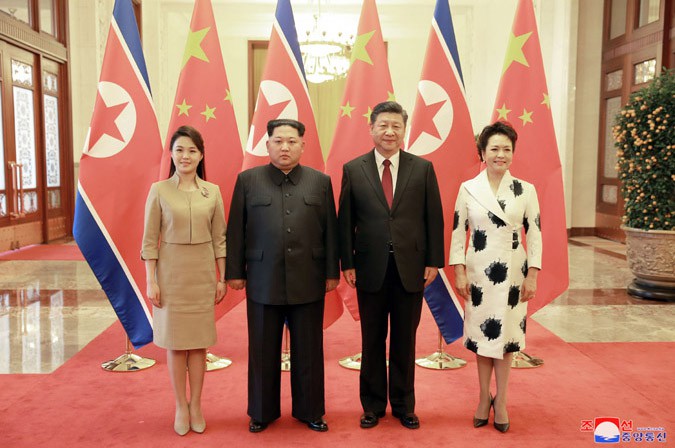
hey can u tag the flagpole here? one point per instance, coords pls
(522, 360)
(128, 362)
(440, 360)
(286, 351)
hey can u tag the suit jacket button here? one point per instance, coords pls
(288, 250)
(288, 212)
(288, 230)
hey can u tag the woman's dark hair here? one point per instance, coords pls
(498, 127)
(196, 137)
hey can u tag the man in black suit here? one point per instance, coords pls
(391, 246)
(282, 246)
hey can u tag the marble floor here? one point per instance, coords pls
(49, 310)
(596, 307)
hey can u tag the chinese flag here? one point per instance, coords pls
(523, 100)
(368, 83)
(203, 101)
(120, 161)
(283, 94)
(441, 132)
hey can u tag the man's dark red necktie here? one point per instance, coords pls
(387, 184)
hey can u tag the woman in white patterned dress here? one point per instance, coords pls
(496, 275)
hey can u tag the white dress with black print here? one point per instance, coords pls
(496, 260)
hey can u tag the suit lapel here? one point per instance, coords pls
(370, 171)
(405, 165)
(479, 188)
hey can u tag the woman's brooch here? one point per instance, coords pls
(205, 192)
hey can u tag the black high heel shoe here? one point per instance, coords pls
(478, 422)
(501, 427)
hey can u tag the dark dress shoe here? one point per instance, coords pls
(370, 419)
(256, 426)
(502, 427)
(319, 425)
(409, 420)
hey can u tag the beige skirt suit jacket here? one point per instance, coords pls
(185, 233)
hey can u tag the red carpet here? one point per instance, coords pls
(59, 252)
(81, 405)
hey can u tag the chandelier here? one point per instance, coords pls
(326, 56)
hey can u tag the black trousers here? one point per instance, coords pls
(265, 331)
(403, 309)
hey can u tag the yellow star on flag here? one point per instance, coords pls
(193, 47)
(526, 117)
(209, 113)
(183, 109)
(347, 110)
(367, 114)
(546, 101)
(514, 51)
(228, 96)
(391, 96)
(359, 51)
(503, 112)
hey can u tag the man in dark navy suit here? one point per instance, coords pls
(391, 246)
(282, 246)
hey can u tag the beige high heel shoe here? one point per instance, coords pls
(181, 428)
(198, 426)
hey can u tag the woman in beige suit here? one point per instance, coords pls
(183, 241)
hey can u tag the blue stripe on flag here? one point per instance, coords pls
(123, 13)
(111, 275)
(446, 314)
(284, 16)
(444, 21)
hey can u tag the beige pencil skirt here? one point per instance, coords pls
(186, 275)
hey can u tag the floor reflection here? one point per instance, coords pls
(42, 328)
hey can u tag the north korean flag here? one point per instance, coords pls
(120, 161)
(441, 132)
(283, 93)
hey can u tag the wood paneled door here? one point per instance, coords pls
(35, 188)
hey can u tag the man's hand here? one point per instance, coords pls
(350, 277)
(430, 274)
(237, 283)
(332, 283)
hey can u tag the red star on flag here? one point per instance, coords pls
(103, 121)
(264, 113)
(426, 119)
